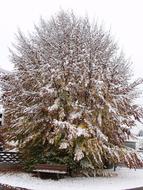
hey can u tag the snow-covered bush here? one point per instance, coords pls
(70, 99)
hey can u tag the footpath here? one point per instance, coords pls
(8, 187)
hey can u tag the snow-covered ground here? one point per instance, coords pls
(127, 178)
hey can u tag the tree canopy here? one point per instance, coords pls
(70, 99)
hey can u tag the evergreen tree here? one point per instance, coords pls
(70, 99)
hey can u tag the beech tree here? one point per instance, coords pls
(70, 99)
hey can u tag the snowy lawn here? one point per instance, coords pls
(127, 178)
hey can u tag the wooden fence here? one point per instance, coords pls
(9, 157)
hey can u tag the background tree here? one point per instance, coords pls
(70, 99)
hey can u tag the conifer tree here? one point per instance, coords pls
(70, 99)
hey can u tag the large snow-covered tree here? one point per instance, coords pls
(70, 99)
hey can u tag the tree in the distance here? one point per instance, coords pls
(69, 99)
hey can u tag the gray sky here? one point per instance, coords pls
(123, 17)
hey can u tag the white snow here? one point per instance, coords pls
(81, 131)
(127, 178)
(63, 145)
(49, 89)
(78, 154)
(51, 171)
(75, 115)
(55, 106)
(99, 119)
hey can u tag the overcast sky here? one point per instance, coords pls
(123, 17)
